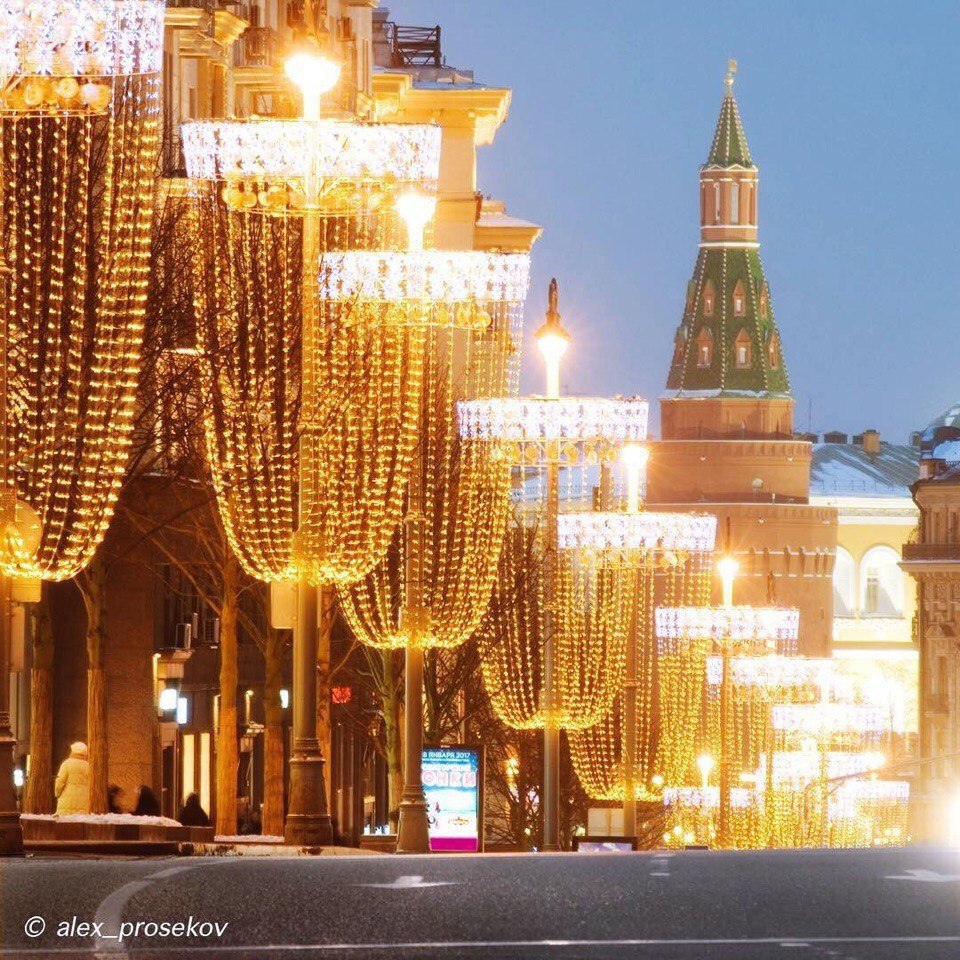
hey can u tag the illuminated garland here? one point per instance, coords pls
(219, 150)
(591, 618)
(465, 502)
(572, 419)
(667, 713)
(357, 435)
(77, 169)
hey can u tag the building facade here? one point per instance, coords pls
(932, 559)
(727, 443)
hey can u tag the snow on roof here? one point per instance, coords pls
(948, 450)
(846, 468)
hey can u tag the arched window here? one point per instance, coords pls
(764, 300)
(716, 202)
(881, 583)
(678, 347)
(708, 298)
(741, 350)
(735, 202)
(739, 300)
(844, 584)
(704, 348)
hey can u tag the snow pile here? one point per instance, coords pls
(114, 819)
(247, 838)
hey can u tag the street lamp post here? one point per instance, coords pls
(727, 568)
(552, 340)
(308, 819)
(413, 835)
(634, 458)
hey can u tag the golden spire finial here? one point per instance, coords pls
(731, 70)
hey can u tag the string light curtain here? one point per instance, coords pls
(463, 494)
(663, 688)
(79, 119)
(589, 605)
(249, 180)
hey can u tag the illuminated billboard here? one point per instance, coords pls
(451, 784)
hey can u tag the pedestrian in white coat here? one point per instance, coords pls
(73, 782)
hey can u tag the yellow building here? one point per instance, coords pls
(867, 481)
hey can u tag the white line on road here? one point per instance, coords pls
(273, 949)
(410, 883)
(926, 876)
(110, 912)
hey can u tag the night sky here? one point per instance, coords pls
(851, 113)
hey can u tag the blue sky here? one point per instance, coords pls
(851, 111)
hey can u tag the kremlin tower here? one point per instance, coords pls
(727, 414)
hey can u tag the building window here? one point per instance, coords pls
(708, 298)
(844, 584)
(704, 348)
(735, 203)
(716, 203)
(764, 301)
(773, 353)
(739, 300)
(741, 348)
(881, 583)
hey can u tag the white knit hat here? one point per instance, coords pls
(78, 748)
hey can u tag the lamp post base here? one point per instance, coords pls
(11, 831)
(412, 831)
(308, 822)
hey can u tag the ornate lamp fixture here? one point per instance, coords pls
(553, 641)
(79, 120)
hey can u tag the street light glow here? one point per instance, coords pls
(313, 75)
(705, 765)
(416, 210)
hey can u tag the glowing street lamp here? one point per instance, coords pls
(552, 342)
(416, 210)
(634, 458)
(705, 766)
(313, 74)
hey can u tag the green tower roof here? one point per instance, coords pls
(727, 343)
(729, 147)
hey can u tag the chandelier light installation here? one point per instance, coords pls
(79, 118)
(432, 587)
(664, 558)
(727, 631)
(314, 396)
(294, 203)
(553, 640)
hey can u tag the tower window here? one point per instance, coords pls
(773, 353)
(764, 301)
(708, 298)
(735, 202)
(716, 203)
(741, 349)
(704, 348)
(739, 300)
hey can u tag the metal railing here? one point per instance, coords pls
(260, 47)
(414, 46)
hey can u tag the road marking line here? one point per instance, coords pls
(415, 882)
(256, 949)
(110, 912)
(926, 876)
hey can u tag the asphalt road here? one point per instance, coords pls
(892, 904)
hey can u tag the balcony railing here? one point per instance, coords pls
(931, 551)
(414, 46)
(261, 47)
